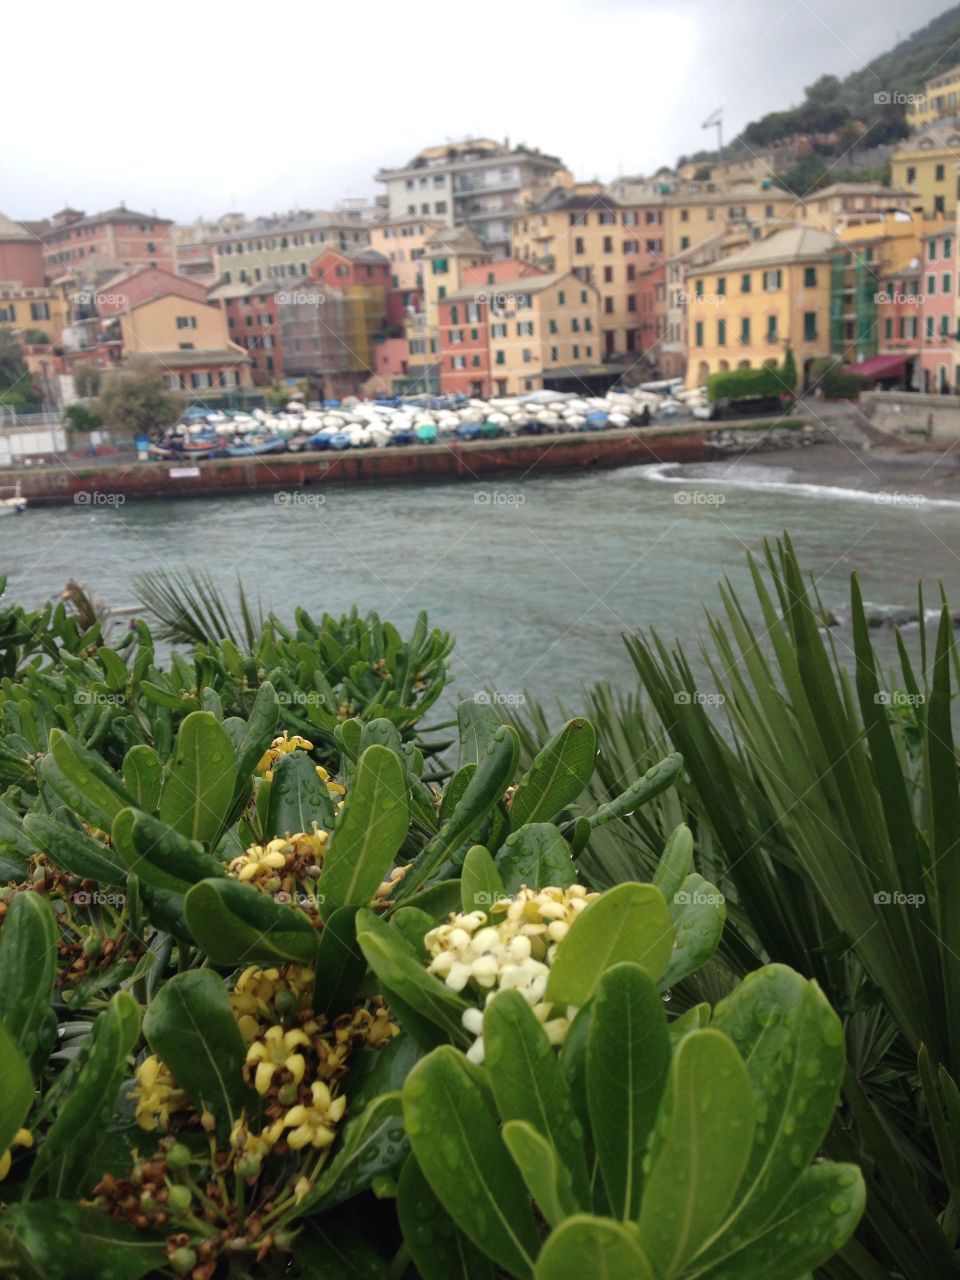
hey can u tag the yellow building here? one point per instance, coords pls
(33, 309)
(403, 242)
(926, 165)
(939, 100)
(543, 332)
(744, 309)
(190, 340)
(447, 254)
(691, 216)
(850, 204)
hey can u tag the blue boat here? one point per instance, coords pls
(340, 440)
(468, 430)
(426, 433)
(275, 444)
(320, 441)
(402, 437)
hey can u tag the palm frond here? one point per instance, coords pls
(190, 608)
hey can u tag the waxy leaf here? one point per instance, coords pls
(298, 797)
(536, 856)
(558, 774)
(628, 1059)
(457, 1142)
(480, 883)
(199, 788)
(190, 1026)
(88, 773)
(159, 855)
(700, 1149)
(596, 1247)
(340, 964)
(66, 1158)
(373, 1145)
(236, 924)
(73, 850)
(630, 922)
(792, 1043)
(814, 1223)
(369, 832)
(478, 722)
(440, 1251)
(528, 1083)
(28, 969)
(66, 1241)
(546, 1178)
(143, 776)
(698, 912)
(676, 862)
(16, 1097)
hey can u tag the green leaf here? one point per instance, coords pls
(28, 970)
(653, 783)
(66, 1157)
(699, 1151)
(12, 839)
(235, 924)
(259, 731)
(68, 1242)
(557, 775)
(143, 776)
(548, 1181)
(630, 922)
(439, 1250)
(159, 855)
(88, 773)
(484, 791)
(628, 1059)
(528, 1083)
(457, 1143)
(676, 862)
(328, 1250)
(298, 797)
(792, 1043)
(369, 832)
(399, 969)
(816, 1221)
(190, 1026)
(698, 911)
(73, 850)
(373, 1144)
(478, 722)
(17, 1096)
(199, 788)
(480, 883)
(596, 1247)
(340, 964)
(536, 856)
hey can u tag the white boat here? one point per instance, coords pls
(14, 506)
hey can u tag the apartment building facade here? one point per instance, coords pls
(81, 246)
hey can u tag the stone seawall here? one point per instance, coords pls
(457, 460)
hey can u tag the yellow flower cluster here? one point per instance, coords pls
(261, 997)
(264, 864)
(514, 953)
(157, 1095)
(282, 746)
(22, 1138)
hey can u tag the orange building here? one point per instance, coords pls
(76, 244)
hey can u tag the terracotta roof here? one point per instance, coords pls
(798, 244)
(188, 359)
(10, 230)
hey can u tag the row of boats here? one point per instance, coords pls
(355, 423)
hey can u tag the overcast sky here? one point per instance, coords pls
(192, 108)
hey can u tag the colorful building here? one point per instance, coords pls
(940, 100)
(21, 255)
(253, 322)
(81, 247)
(281, 248)
(938, 365)
(850, 204)
(403, 242)
(925, 164)
(747, 307)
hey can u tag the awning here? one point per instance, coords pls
(882, 366)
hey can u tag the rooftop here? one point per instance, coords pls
(798, 244)
(120, 214)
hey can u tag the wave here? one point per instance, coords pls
(757, 478)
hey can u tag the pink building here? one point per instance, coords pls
(938, 287)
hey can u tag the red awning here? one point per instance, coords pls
(881, 366)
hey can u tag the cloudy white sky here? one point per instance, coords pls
(192, 108)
